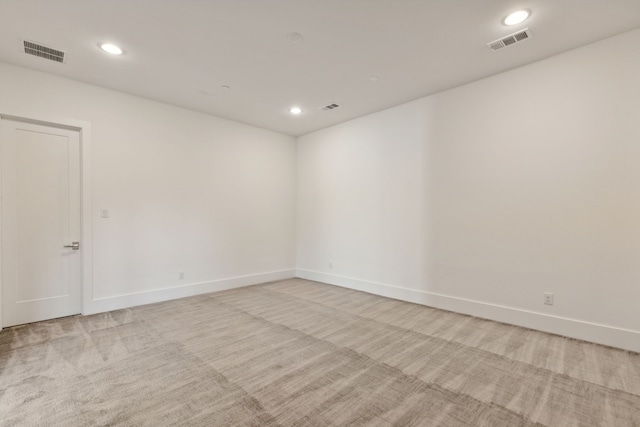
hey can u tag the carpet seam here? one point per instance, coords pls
(457, 342)
(381, 363)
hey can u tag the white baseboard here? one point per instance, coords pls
(601, 334)
(100, 305)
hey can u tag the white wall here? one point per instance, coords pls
(477, 199)
(481, 198)
(186, 191)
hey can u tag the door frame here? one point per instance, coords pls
(86, 217)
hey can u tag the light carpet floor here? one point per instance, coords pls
(300, 353)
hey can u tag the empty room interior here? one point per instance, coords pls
(320, 213)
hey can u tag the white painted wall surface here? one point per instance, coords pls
(185, 192)
(481, 198)
(477, 199)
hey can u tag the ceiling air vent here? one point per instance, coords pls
(42, 51)
(329, 107)
(510, 39)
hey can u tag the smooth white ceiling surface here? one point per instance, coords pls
(182, 51)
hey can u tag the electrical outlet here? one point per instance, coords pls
(330, 264)
(548, 298)
(181, 275)
(104, 213)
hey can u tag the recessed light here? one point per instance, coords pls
(516, 18)
(295, 110)
(111, 48)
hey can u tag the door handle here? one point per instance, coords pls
(74, 245)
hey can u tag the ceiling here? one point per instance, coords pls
(365, 55)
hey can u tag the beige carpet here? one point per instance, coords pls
(299, 353)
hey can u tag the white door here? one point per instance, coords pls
(41, 277)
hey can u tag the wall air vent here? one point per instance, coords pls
(510, 39)
(329, 107)
(42, 51)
